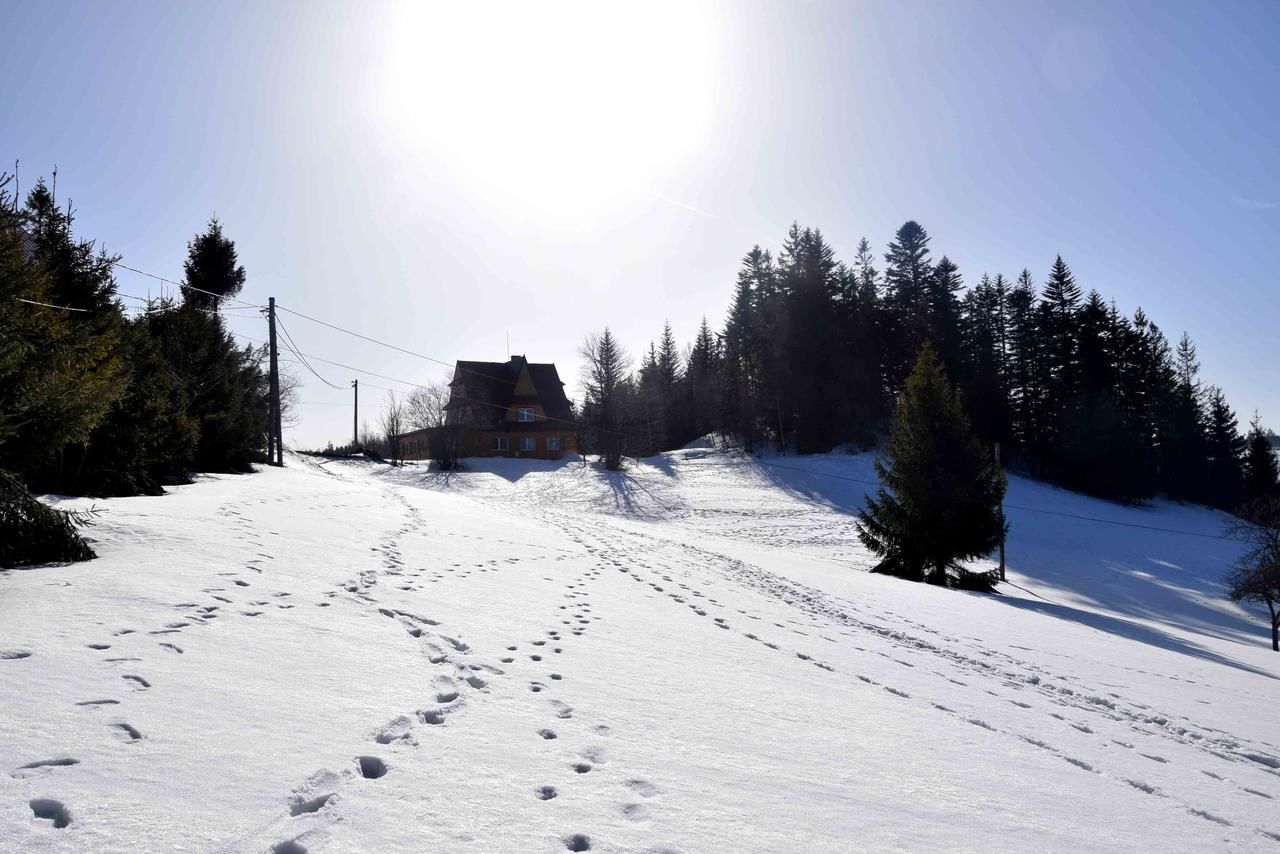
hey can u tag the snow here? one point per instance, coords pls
(535, 656)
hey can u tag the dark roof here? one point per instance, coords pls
(490, 389)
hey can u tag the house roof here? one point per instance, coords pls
(491, 388)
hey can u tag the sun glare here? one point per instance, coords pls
(563, 109)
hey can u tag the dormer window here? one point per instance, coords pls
(524, 414)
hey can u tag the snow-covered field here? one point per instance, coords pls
(684, 657)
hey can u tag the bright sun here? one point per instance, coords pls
(561, 108)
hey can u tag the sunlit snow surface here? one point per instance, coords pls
(684, 657)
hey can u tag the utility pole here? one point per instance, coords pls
(274, 427)
(355, 413)
(1002, 531)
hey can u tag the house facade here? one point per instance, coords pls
(515, 408)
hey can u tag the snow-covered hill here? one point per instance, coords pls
(682, 657)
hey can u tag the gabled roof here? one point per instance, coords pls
(490, 387)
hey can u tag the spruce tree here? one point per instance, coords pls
(942, 291)
(1182, 444)
(1262, 471)
(72, 371)
(1025, 356)
(871, 396)
(675, 427)
(1225, 447)
(906, 277)
(1094, 454)
(607, 390)
(816, 400)
(1059, 330)
(745, 348)
(939, 502)
(857, 318)
(224, 385)
(213, 267)
(703, 380)
(980, 375)
(647, 415)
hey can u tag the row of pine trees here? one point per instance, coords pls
(94, 401)
(814, 352)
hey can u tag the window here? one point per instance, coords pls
(500, 443)
(524, 413)
(528, 443)
(553, 443)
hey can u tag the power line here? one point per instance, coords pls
(305, 363)
(413, 384)
(335, 364)
(366, 337)
(1123, 524)
(396, 347)
(176, 306)
(50, 305)
(183, 285)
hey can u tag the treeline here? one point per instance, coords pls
(96, 402)
(814, 352)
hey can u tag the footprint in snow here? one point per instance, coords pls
(643, 788)
(371, 767)
(635, 812)
(127, 732)
(41, 766)
(51, 810)
(398, 729)
(578, 842)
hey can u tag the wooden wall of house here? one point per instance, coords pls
(483, 443)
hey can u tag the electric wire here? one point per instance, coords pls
(124, 266)
(455, 365)
(305, 363)
(50, 305)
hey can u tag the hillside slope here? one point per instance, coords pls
(682, 657)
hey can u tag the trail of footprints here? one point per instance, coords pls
(194, 614)
(468, 678)
(818, 605)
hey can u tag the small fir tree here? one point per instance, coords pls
(939, 503)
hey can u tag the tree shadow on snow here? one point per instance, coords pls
(1130, 630)
(1171, 580)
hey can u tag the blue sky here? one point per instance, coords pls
(441, 177)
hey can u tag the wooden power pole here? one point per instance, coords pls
(355, 413)
(1001, 517)
(277, 439)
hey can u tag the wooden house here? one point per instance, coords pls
(515, 408)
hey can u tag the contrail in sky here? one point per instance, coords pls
(680, 204)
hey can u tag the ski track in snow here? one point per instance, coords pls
(593, 572)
